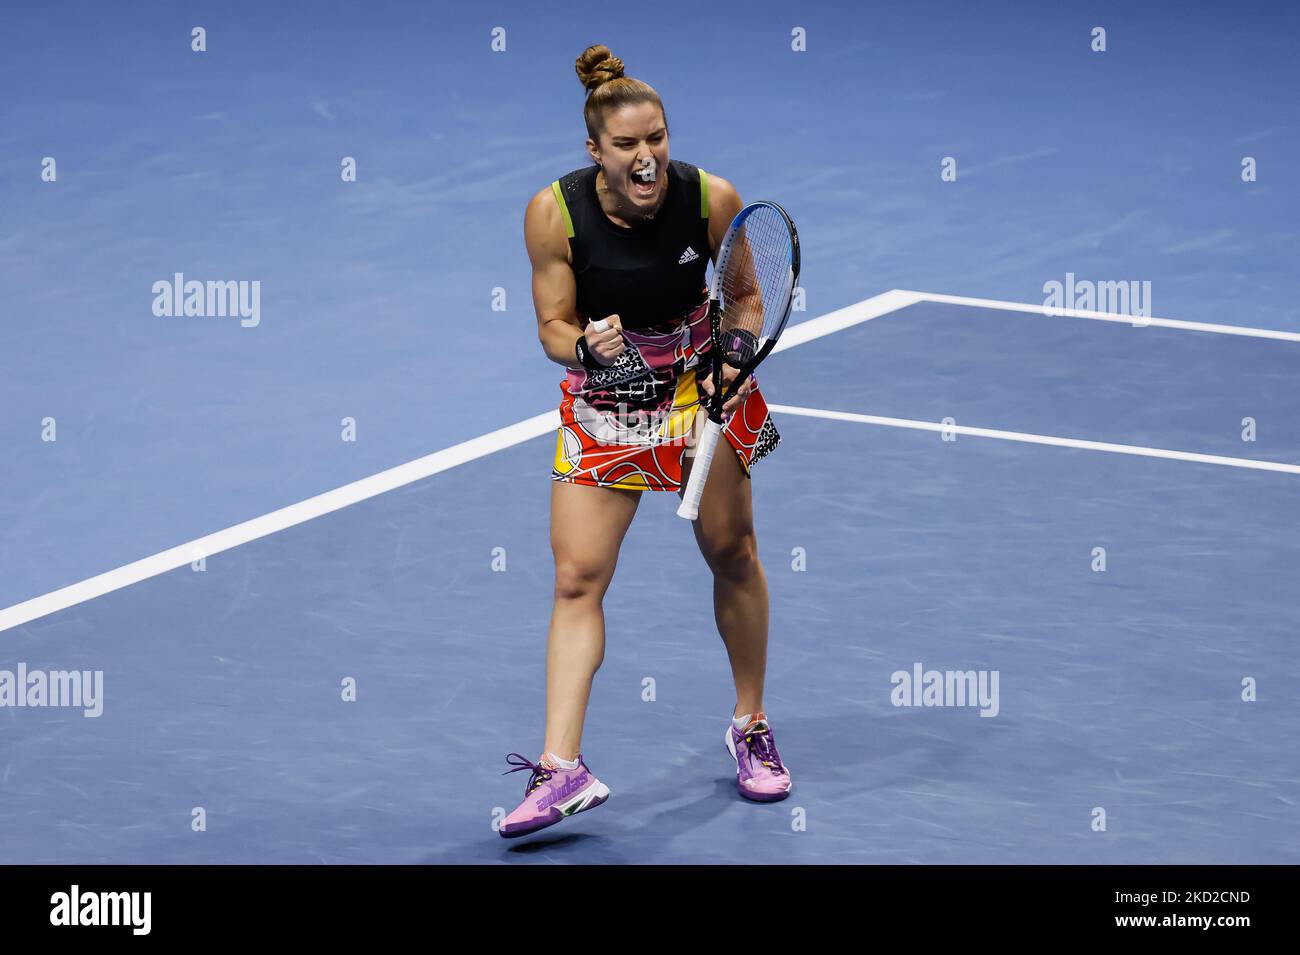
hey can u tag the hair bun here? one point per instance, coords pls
(597, 65)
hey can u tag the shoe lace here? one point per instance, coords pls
(762, 746)
(539, 776)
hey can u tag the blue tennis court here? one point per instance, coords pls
(285, 570)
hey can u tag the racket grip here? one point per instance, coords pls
(690, 506)
(600, 324)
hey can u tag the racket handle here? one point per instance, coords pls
(600, 324)
(690, 506)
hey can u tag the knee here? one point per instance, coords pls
(732, 555)
(579, 580)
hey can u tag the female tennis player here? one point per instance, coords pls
(619, 253)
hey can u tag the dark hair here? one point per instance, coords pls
(601, 73)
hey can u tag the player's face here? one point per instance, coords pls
(634, 152)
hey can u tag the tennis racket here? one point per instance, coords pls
(749, 303)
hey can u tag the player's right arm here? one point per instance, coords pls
(555, 290)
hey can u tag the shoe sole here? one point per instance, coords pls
(594, 795)
(751, 796)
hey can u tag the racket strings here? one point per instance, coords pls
(755, 283)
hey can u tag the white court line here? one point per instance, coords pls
(1026, 438)
(382, 482)
(1242, 330)
(842, 318)
(267, 524)
(528, 429)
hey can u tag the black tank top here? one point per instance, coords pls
(647, 275)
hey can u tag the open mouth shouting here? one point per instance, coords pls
(644, 179)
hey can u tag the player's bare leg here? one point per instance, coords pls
(587, 529)
(724, 531)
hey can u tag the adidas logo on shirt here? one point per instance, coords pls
(687, 256)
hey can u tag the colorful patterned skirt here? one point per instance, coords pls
(632, 425)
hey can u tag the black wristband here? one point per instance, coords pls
(739, 347)
(585, 356)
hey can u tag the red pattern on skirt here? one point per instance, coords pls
(632, 425)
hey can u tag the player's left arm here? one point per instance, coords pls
(724, 203)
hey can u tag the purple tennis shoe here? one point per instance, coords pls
(552, 794)
(760, 774)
